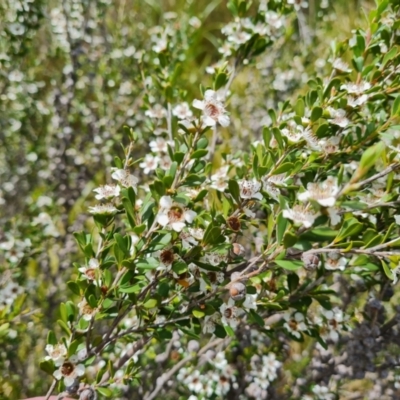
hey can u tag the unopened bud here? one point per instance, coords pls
(238, 249)
(193, 346)
(237, 291)
(311, 261)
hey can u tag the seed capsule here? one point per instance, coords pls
(233, 223)
(311, 261)
(237, 291)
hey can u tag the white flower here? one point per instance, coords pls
(86, 310)
(250, 189)
(57, 353)
(323, 393)
(300, 215)
(312, 141)
(334, 321)
(229, 314)
(356, 88)
(334, 215)
(103, 209)
(107, 192)
(182, 111)
(356, 102)
(338, 117)
(330, 145)
(157, 111)
(213, 109)
(124, 178)
(295, 324)
(69, 370)
(239, 37)
(90, 270)
(334, 262)
(250, 302)
(322, 192)
(396, 273)
(159, 145)
(150, 163)
(341, 65)
(209, 323)
(293, 132)
(269, 185)
(219, 180)
(173, 214)
(269, 366)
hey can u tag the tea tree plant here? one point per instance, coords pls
(207, 267)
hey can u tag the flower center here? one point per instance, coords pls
(90, 273)
(212, 110)
(175, 214)
(67, 368)
(167, 257)
(228, 313)
(293, 324)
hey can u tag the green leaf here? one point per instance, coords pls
(199, 153)
(350, 227)
(151, 303)
(387, 270)
(396, 107)
(220, 80)
(368, 160)
(106, 392)
(281, 224)
(289, 265)
(256, 318)
(47, 366)
(316, 114)
(198, 313)
(64, 326)
(283, 168)
(51, 338)
(202, 143)
(289, 239)
(299, 108)
(219, 332)
(73, 347)
(74, 288)
(179, 267)
(213, 235)
(160, 241)
(234, 190)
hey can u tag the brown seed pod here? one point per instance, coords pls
(237, 291)
(311, 261)
(233, 223)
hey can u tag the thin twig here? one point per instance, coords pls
(53, 385)
(167, 375)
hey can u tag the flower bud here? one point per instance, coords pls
(193, 346)
(237, 291)
(238, 249)
(311, 261)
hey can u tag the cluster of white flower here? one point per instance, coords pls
(263, 371)
(9, 292)
(14, 249)
(68, 367)
(216, 382)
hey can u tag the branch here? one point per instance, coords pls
(167, 375)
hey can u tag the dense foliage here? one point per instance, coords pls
(200, 199)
